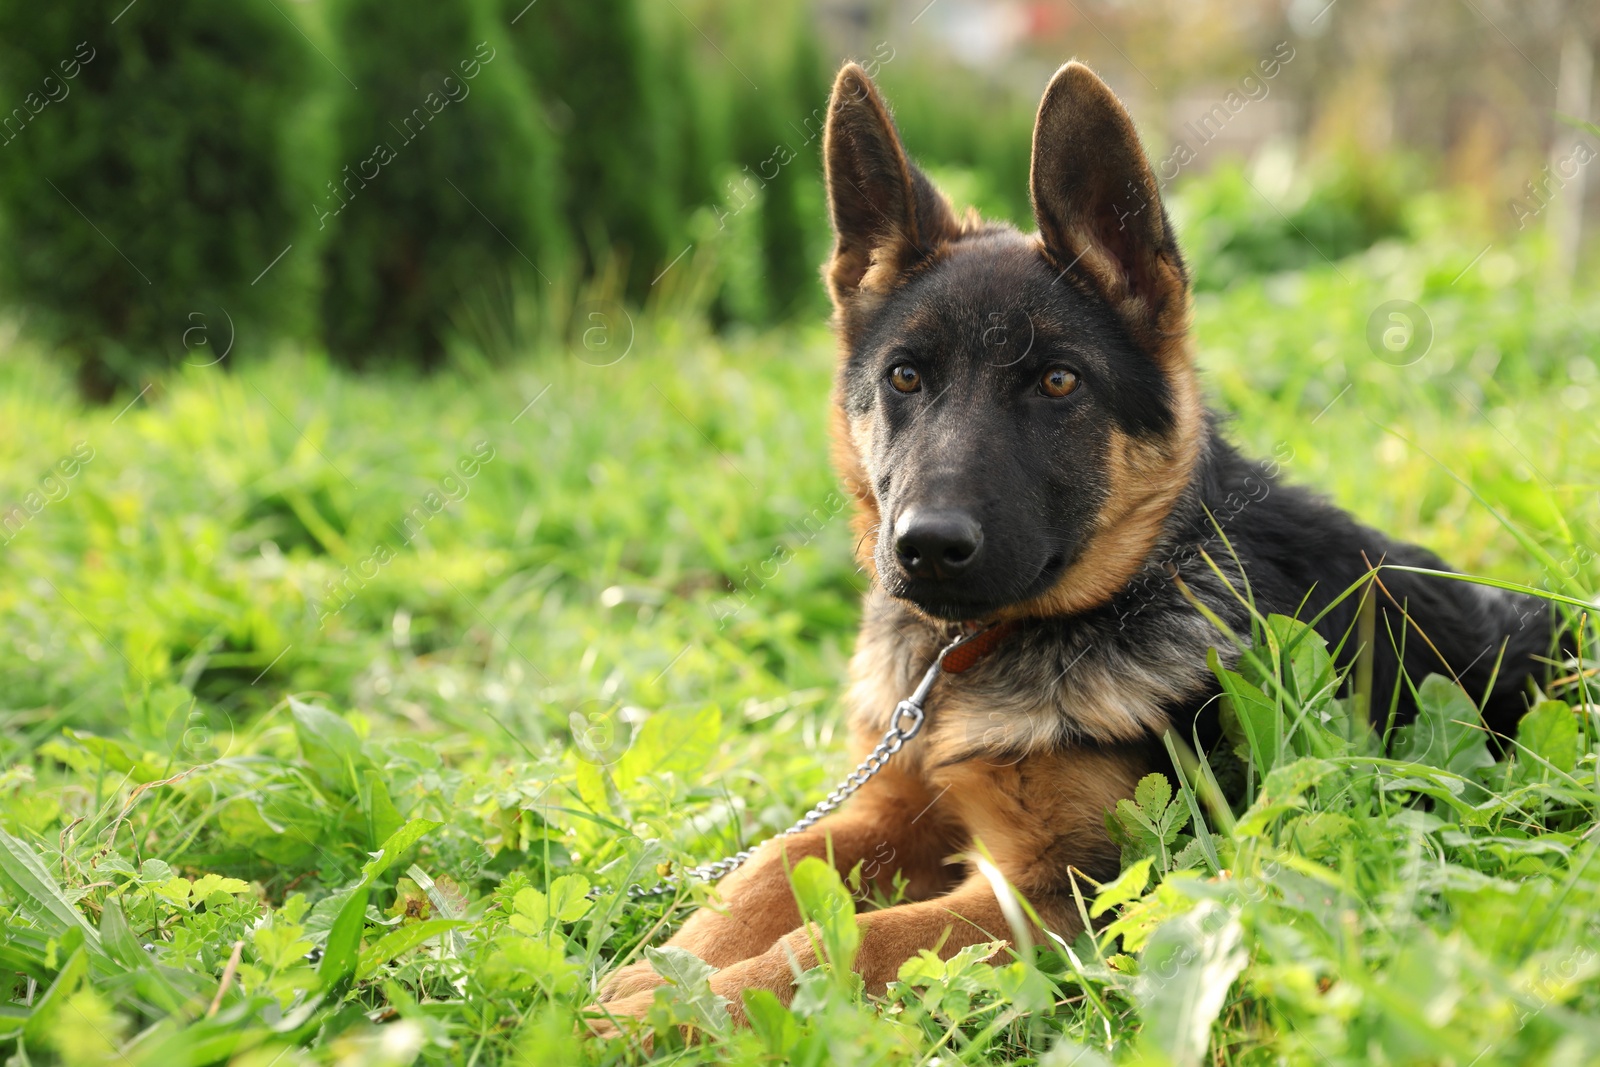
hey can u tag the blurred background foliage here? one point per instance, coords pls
(396, 182)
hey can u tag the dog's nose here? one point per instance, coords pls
(936, 544)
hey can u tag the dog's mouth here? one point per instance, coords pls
(950, 603)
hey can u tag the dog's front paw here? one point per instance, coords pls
(606, 1018)
(625, 982)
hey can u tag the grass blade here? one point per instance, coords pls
(31, 884)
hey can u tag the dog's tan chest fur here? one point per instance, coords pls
(1021, 699)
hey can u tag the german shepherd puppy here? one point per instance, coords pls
(1019, 420)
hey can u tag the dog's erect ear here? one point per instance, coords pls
(1095, 199)
(886, 215)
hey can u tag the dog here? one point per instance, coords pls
(1019, 421)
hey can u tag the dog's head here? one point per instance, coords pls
(1015, 413)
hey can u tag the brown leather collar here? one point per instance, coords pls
(966, 655)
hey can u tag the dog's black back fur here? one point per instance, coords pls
(1299, 553)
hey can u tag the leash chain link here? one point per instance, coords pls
(905, 724)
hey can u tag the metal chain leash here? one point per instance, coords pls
(904, 724)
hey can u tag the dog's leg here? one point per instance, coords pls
(893, 824)
(967, 916)
(1040, 819)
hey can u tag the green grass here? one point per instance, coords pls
(232, 672)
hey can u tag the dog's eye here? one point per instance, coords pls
(1058, 382)
(906, 378)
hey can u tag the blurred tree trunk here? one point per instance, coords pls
(1574, 80)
